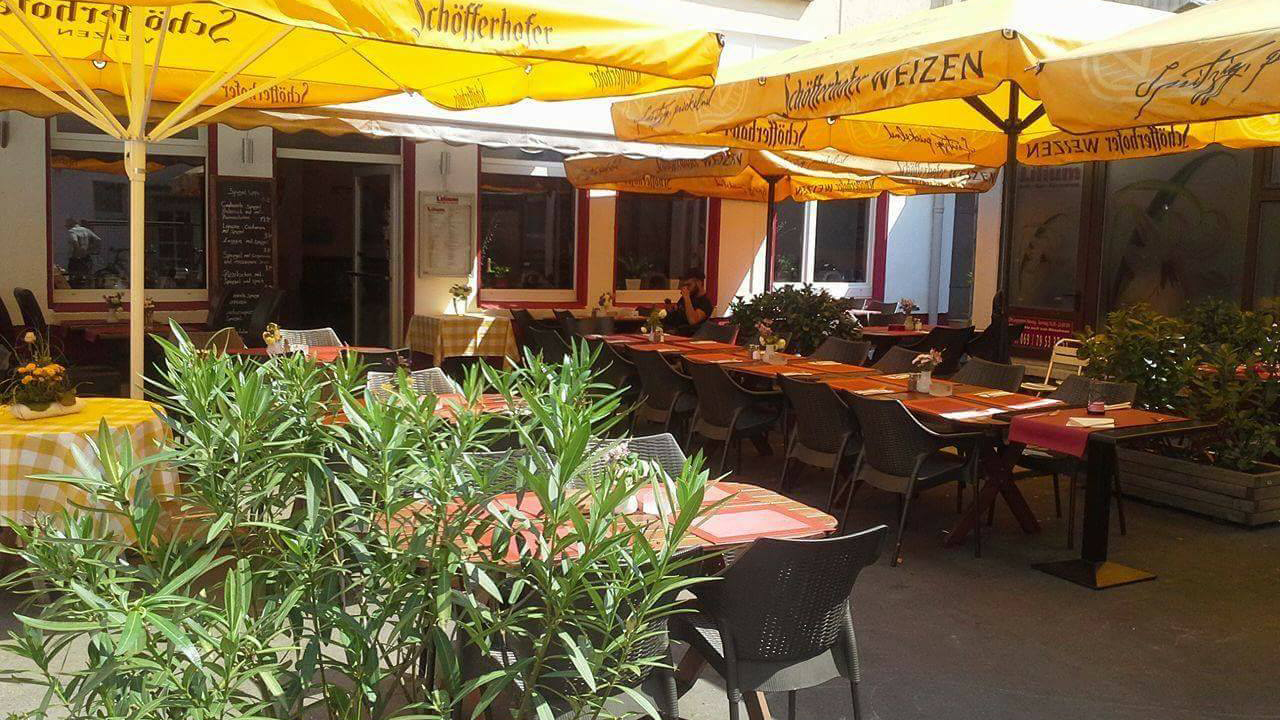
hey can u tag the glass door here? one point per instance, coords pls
(371, 263)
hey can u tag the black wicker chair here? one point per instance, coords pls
(614, 370)
(852, 352)
(8, 331)
(900, 455)
(997, 376)
(666, 395)
(264, 313)
(1075, 390)
(593, 325)
(725, 332)
(985, 344)
(547, 343)
(896, 359)
(779, 619)
(728, 412)
(950, 341)
(521, 321)
(29, 308)
(824, 434)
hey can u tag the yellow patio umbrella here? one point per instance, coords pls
(769, 177)
(207, 57)
(951, 84)
(1215, 62)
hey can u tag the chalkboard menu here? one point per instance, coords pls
(245, 211)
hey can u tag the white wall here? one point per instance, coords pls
(23, 217)
(987, 253)
(907, 253)
(431, 292)
(742, 261)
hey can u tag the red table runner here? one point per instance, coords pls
(1051, 430)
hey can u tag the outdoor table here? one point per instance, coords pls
(662, 347)
(447, 404)
(48, 446)
(319, 353)
(104, 330)
(883, 337)
(1097, 447)
(469, 335)
(707, 345)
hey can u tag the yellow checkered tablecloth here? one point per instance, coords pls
(445, 336)
(47, 447)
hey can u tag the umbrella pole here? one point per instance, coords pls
(770, 233)
(135, 158)
(1000, 306)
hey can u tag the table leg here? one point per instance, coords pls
(998, 467)
(1092, 569)
(757, 708)
(687, 670)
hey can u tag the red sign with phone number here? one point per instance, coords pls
(1042, 333)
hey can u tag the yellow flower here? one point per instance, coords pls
(26, 380)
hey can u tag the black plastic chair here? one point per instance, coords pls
(29, 307)
(950, 341)
(8, 331)
(666, 395)
(985, 344)
(727, 411)
(779, 619)
(547, 344)
(614, 370)
(594, 325)
(566, 321)
(900, 455)
(1075, 390)
(997, 376)
(264, 313)
(825, 432)
(896, 359)
(725, 332)
(851, 352)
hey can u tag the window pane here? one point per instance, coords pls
(1175, 228)
(1046, 237)
(312, 140)
(90, 221)
(527, 232)
(80, 126)
(840, 241)
(788, 251)
(660, 237)
(1267, 280)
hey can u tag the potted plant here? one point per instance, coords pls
(40, 387)
(770, 342)
(459, 292)
(633, 269)
(921, 378)
(800, 313)
(653, 324)
(115, 303)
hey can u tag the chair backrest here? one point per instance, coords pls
(219, 303)
(720, 331)
(1065, 360)
(997, 376)
(719, 397)
(787, 600)
(315, 337)
(950, 341)
(430, 380)
(6, 322)
(985, 344)
(221, 340)
(661, 449)
(566, 321)
(896, 359)
(610, 367)
(853, 352)
(660, 383)
(387, 362)
(594, 325)
(823, 422)
(892, 439)
(547, 344)
(32, 315)
(264, 313)
(1077, 389)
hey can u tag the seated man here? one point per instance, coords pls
(692, 309)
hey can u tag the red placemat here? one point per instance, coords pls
(732, 526)
(715, 358)
(625, 339)
(858, 385)
(660, 347)
(950, 408)
(1051, 431)
(709, 345)
(1008, 400)
(830, 366)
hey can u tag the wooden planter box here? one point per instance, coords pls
(1243, 498)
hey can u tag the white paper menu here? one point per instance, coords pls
(445, 234)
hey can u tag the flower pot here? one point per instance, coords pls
(673, 284)
(920, 381)
(113, 314)
(56, 409)
(633, 283)
(457, 307)
(1244, 498)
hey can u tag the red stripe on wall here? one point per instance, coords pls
(409, 210)
(880, 251)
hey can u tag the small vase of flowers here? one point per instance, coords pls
(276, 344)
(604, 304)
(115, 303)
(770, 342)
(460, 292)
(924, 363)
(907, 307)
(653, 325)
(40, 388)
(148, 311)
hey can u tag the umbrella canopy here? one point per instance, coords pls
(208, 57)
(1215, 62)
(737, 174)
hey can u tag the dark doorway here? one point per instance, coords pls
(335, 231)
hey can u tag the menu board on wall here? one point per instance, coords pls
(444, 234)
(245, 225)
